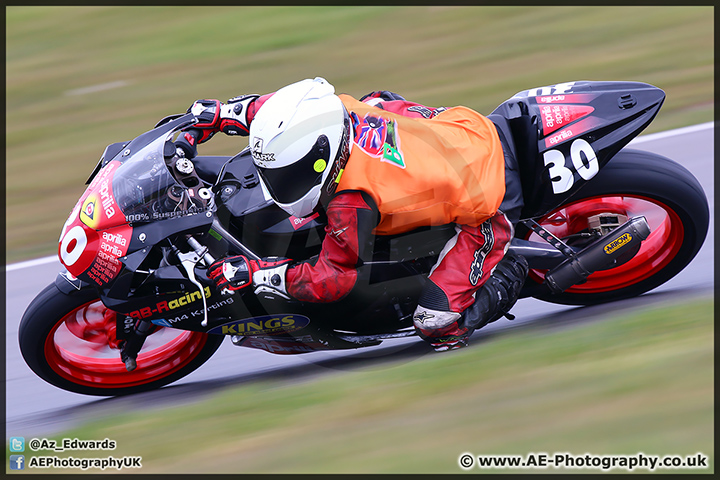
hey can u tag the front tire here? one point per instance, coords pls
(633, 183)
(68, 340)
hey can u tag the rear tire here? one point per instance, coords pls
(64, 340)
(634, 181)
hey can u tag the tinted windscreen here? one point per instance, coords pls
(145, 189)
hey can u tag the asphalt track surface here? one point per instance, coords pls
(34, 407)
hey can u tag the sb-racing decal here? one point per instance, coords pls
(170, 305)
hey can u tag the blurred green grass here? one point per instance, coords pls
(641, 382)
(166, 57)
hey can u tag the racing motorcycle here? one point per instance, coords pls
(135, 310)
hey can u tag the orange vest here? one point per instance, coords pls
(447, 169)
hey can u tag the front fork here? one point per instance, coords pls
(134, 342)
(135, 337)
(129, 339)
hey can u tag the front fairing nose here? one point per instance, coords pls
(96, 234)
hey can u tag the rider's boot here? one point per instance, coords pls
(451, 330)
(442, 330)
(499, 294)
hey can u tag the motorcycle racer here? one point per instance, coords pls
(379, 166)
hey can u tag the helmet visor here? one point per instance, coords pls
(290, 183)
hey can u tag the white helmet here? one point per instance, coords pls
(300, 143)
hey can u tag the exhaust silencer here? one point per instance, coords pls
(600, 254)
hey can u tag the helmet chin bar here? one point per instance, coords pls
(305, 206)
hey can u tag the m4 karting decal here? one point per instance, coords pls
(264, 325)
(378, 137)
(170, 321)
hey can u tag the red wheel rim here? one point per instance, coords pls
(78, 350)
(664, 242)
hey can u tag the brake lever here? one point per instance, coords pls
(188, 261)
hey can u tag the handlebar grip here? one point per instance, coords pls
(195, 133)
(200, 251)
(188, 141)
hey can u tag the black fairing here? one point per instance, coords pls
(558, 129)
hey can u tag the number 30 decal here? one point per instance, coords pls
(561, 176)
